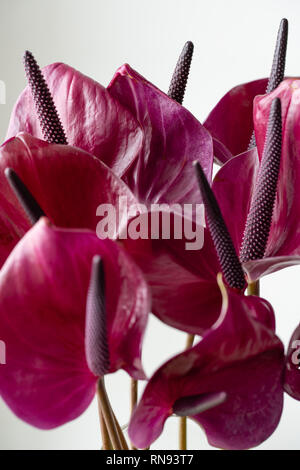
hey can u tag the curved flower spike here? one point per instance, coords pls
(182, 271)
(231, 121)
(278, 65)
(283, 245)
(239, 356)
(24, 196)
(163, 171)
(183, 282)
(229, 262)
(96, 338)
(43, 291)
(259, 219)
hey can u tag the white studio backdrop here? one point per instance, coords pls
(234, 42)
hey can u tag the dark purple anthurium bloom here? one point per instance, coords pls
(230, 382)
(292, 367)
(231, 121)
(52, 314)
(186, 295)
(283, 245)
(147, 138)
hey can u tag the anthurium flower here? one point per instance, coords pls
(184, 289)
(239, 360)
(68, 183)
(231, 120)
(147, 138)
(47, 380)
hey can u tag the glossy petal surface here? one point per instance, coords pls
(240, 356)
(163, 171)
(68, 183)
(231, 120)
(182, 279)
(43, 287)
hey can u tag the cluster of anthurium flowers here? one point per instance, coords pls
(74, 307)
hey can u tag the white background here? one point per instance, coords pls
(234, 42)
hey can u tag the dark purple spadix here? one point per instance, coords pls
(259, 219)
(193, 405)
(278, 64)
(229, 261)
(181, 73)
(48, 117)
(96, 343)
(29, 204)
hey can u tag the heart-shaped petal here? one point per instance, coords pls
(68, 184)
(231, 120)
(43, 284)
(92, 119)
(239, 356)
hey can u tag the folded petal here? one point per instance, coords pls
(43, 289)
(221, 153)
(239, 356)
(92, 119)
(235, 199)
(163, 171)
(284, 238)
(231, 120)
(261, 267)
(68, 183)
(182, 277)
(233, 186)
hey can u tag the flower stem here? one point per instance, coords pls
(253, 288)
(108, 415)
(133, 400)
(106, 443)
(121, 435)
(183, 419)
